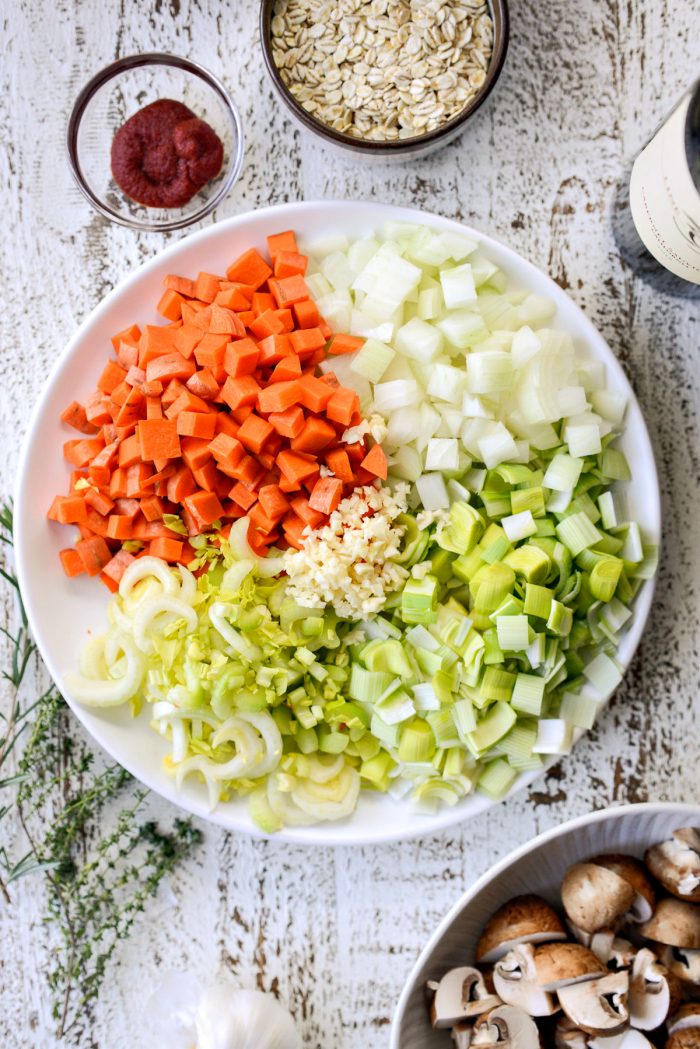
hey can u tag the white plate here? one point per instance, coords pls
(536, 867)
(62, 611)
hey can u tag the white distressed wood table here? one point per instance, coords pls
(335, 932)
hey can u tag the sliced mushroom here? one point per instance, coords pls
(528, 975)
(654, 992)
(675, 923)
(676, 863)
(506, 1027)
(462, 1035)
(634, 873)
(460, 994)
(613, 951)
(595, 897)
(598, 1006)
(568, 1036)
(629, 1039)
(560, 964)
(524, 919)
(685, 1038)
(687, 1016)
(515, 981)
(683, 963)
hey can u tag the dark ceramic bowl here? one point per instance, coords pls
(400, 149)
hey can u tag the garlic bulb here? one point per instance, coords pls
(228, 1018)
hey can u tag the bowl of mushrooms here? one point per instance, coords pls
(588, 937)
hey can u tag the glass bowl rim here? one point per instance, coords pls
(110, 72)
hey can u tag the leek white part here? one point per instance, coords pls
(149, 618)
(519, 526)
(554, 736)
(145, 567)
(603, 673)
(111, 691)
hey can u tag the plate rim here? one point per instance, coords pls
(318, 834)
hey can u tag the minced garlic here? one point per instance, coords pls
(348, 563)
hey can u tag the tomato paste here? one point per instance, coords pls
(164, 154)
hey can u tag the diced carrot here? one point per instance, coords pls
(182, 285)
(249, 268)
(227, 451)
(375, 462)
(225, 322)
(242, 496)
(167, 549)
(145, 531)
(130, 334)
(303, 509)
(203, 384)
(296, 466)
(267, 323)
(313, 393)
(289, 290)
(274, 348)
(130, 451)
(72, 562)
(327, 493)
(127, 354)
(99, 501)
(249, 472)
(117, 483)
(294, 529)
(181, 483)
(285, 370)
(207, 476)
(117, 566)
(152, 508)
(288, 486)
(232, 298)
(127, 508)
(246, 317)
(186, 401)
(80, 453)
(120, 393)
(206, 287)
(137, 477)
(195, 452)
(112, 375)
(97, 410)
(288, 423)
(286, 318)
(68, 509)
(279, 396)
(317, 434)
(170, 305)
(254, 432)
(306, 340)
(226, 424)
(240, 392)
(74, 415)
(241, 358)
(344, 344)
(278, 242)
(240, 415)
(204, 507)
(261, 302)
(94, 553)
(288, 263)
(338, 461)
(118, 527)
(259, 518)
(273, 501)
(196, 424)
(158, 439)
(154, 408)
(342, 405)
(187, 338)
(169, 366)
(306, 313)
(211, 351)
(156, 341)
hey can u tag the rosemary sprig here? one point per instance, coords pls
(99, 869)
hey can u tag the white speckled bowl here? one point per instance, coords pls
(536, 867)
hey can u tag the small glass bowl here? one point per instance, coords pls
(397, 149)
(114, 95)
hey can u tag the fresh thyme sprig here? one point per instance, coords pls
(99, 869)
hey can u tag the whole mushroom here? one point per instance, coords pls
(635, 874)
(687, 1016)
(676, 863)
(595, 897)
(683, 963)
(524, 919)
(674, 923)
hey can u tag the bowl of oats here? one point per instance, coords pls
(385, 78)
